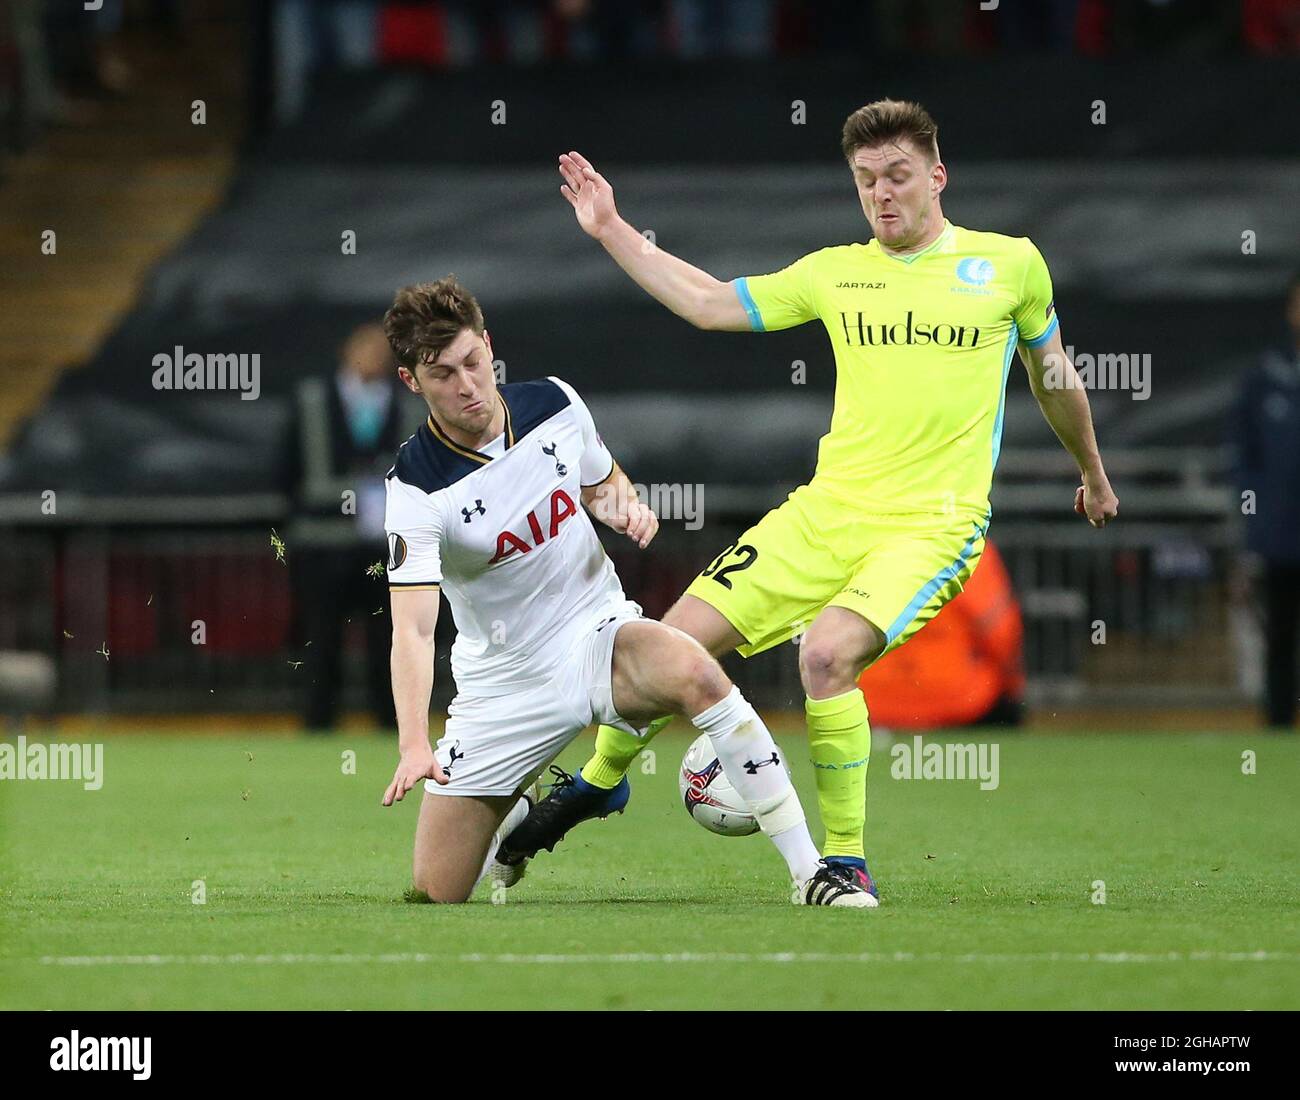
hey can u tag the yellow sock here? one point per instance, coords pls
(839, 741)
(615, 751)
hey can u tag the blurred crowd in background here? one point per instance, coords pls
(53, 57)
(56, 59)
(461, 32)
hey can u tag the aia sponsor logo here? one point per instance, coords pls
(540, 529)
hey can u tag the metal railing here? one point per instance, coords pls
(113, 591)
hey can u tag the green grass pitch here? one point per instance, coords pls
(988, 895)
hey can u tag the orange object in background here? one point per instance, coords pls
(961, 666)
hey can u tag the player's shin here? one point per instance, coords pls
(615, 751)
(839, 741)
(754, 767)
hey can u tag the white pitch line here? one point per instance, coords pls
(406, 958)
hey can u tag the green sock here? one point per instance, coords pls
(615, 751)
(839, 741)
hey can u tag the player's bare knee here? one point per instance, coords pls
(817, 658)
(824, 667)
(701, 683)
(439, 892)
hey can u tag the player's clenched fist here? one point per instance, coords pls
(588, 192)
(642, 523)
(415, 764)
(1096, 501)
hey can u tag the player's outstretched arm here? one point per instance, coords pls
(415, 615)
(1064, 401)
(615, 503)
(692, 294)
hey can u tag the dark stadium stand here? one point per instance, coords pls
(428, 192)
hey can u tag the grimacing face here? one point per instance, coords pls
(899, 191)
(459, 385)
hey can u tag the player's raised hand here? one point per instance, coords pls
(1096, 501)
(588, 192)
(415, 764)
(642, 523)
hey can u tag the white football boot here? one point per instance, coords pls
(835, 884)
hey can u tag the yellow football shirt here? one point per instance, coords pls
(923, 344)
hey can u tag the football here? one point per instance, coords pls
(707, 795)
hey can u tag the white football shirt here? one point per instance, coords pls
(503, 533)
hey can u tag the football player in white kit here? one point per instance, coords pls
(488, 504)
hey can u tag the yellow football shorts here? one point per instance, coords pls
(817, 551)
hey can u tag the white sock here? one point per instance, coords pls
(754, 766)
(517, 813)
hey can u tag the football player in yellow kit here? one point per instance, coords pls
(924, 320)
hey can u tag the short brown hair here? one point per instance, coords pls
(426, 317)
(888, 120)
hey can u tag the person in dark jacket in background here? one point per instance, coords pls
(1266, 441)
(341, 440)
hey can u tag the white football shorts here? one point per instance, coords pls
(496, 745)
